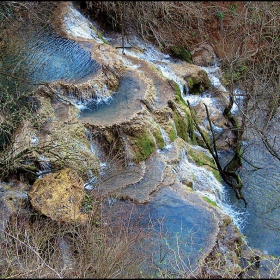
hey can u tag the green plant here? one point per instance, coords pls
(220, 15)
(99, 34)
(181, 52)
(145, 145)
(233, 7)
(87, 204)
(213, 203)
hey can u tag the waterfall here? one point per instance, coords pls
(77, 25)
(96, 150)
(45, 166)
(167, 142)
(164, 136)
(205, 183)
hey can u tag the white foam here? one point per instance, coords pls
(78, 26)
(205, 183)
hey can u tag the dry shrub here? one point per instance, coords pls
(112, 244)
(105, 247)
(166, 23)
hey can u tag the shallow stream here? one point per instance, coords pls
(259, 222)
(120, 105)
(50, 58)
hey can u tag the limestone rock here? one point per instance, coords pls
(198, 83)
(192, 75)
(59, 196)
(204, 55)
(13, 201)
(60, 131)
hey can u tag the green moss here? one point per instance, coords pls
(202, 159)
(181, 126)
(158, 137)
(98, 34)
(184, 107)
(213, 203)
(217, 175)
(181, 53)
(198, 84)
(194, 85)
(172, 132)
(145, 145)
(187, 127)
(179, 99)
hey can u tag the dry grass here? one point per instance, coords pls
(111, 245)
(105, 247)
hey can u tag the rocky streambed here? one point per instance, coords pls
(124, 131)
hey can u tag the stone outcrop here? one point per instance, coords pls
(59, 196)
(198, 83)
(204, 55)
(58, 141)
(13, 201)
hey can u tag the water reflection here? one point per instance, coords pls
(180, 230)
(43, 56)
(262, 192)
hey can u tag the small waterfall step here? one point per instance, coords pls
(117, 177)
(151, 181)
(123, 105)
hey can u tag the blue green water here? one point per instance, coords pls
(177, 230)
(261, 189)
(122, 104)
(43, 56)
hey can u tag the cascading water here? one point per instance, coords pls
(89, 185)
(55, 58)
(260, 187)
(215, 191)
(164, 136)
(105, 110)
(45, 166)
(205, 183)
(100, 98)
(259, 214)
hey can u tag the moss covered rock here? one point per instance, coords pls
(198, 83)
(181, 52)
(59, 196)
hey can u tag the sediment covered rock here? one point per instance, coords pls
(59, 196)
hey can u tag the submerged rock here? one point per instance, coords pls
(59, 196)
